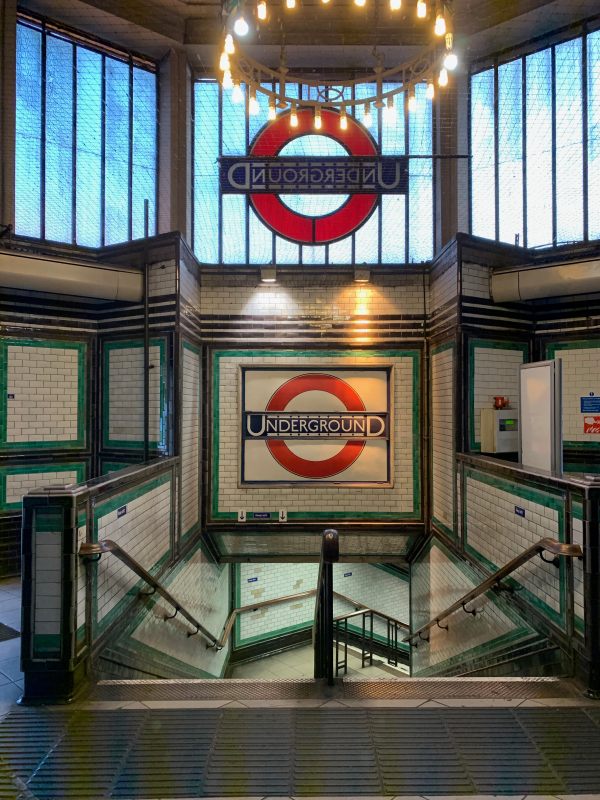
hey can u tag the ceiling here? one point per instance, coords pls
(338, 35)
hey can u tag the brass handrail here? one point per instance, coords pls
(108, 546)
(227, 628)
(551, 545)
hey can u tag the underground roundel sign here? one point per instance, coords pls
(266, 176)
(318, 425)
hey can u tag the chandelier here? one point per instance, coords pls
(379, 88)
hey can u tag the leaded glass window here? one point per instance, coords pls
(226, 229)
(535, 145)
(86, 139)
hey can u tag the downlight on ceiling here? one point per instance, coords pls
(268, 275)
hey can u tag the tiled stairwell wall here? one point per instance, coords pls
(373, 585)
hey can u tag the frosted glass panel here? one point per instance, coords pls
(59, 140)
(539, 148)
(483, 173)
(89, 148)
(569, 142)
(116, 225)
(206, 183)
(510, 152)
(28, 132)
(144, 151)
(593, 60)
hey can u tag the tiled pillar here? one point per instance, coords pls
(48, 643)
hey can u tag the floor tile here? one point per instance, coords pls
(10, 649)
(11, 667)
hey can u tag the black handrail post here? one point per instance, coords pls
(323, 625)
(592, 590)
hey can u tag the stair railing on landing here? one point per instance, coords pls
(559, 549)
(366, 637)
(89, 549)
(323, 625)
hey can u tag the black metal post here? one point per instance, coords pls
(592, 589)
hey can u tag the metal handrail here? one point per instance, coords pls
(494, 581)
(360, 608)
(88, 549)
(227, 628)
(323, 624)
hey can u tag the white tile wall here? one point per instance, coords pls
(444, 288)
(496, 532)
(47, 583)
(581, 375)
(189, 287)
(375, 588)
(476, 281)
(275, 580)
(203, 589)
(143, 532)
(437, 582)
(19, 485)
(81, 579)
(325, 498)
(306, 296)
(578, 574)
(44, 381)
(496, 373)
(442, 436)
(162, 278)
(126, 394)
(190, 440)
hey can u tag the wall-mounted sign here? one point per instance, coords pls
(590, 404)
(591, 424)
(121, 511)
(520, 512)
(364, 175)
(321, 425)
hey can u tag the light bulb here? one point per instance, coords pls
(261, 10)
(290, 4)
(421, 9)
(367, 120)
(395, 5)
(360, 3)
(318, 122)
(451, 61)
(389, 111)
(272, 113)
(240, 26)
(412, 101)
(237, 95)
(325, 2)
(229, 46)
(294, 117)
(224, 62)
(440, 25)
(430, 93)
(343, 119)
(227, 79)
(449, 40)
(443, 79)
(253, 107)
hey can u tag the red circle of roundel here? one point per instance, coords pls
(298, 227)
(304, 467)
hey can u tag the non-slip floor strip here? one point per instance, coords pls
(51, 755)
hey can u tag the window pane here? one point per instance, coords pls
(28, 132)
(510, 151)
(538, 99)
(234, 229)
(393, 233)
(234, 125)
(261, 241)
(116, 225)
(206, 183)
(366, 241)
(393, 140)
(482, 155)
(144, 151)
(89, 127)
(593, 59)
(420, 202)
(569, 142)
(59, 139)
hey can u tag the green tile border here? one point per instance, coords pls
(79, 467)
(195, 528)
(577, 513)
(547, 499)
(490, 344)
(122, 344)
(56, 344)
(443, 526)
(415, 355)
(101, 510)
(490, 646)
(580, 344)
